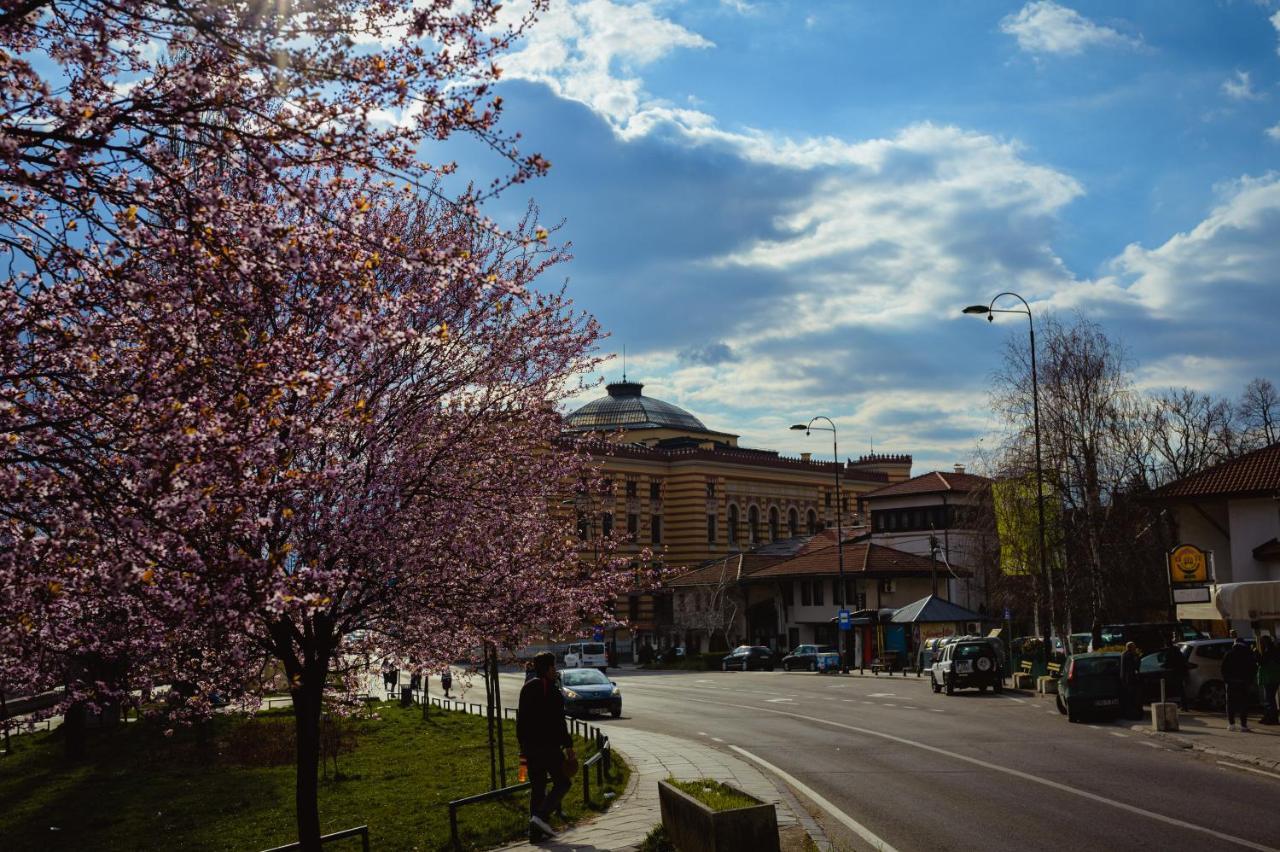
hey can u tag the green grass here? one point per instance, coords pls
(141, 790)
(713, 794)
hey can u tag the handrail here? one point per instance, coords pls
(362, 830)
(500, 793)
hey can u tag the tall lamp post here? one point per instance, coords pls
(808, 428)
(991, 310)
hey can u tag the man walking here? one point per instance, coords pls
(542, 732)
(1239, 668)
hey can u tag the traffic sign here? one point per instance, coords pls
(1007, 614)
(597, 633)
(845, 621)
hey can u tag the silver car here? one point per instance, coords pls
(1204, 675)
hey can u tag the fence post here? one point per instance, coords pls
(364, 839)
(586, 787)
(453, 829)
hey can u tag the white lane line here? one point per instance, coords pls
(1016, 773)
(1011, 698)
(702, 733)
(936, 710)
(717, 739)
(1248, 769)
(908, 707)
(1148, 745)
(809, 793)
(778, 700)
(868, 702)
(886, 704)
(1117, 734)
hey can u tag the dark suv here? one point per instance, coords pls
(964, 664)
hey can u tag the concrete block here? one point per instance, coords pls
(1023, 681)
(694, 827)
(1164, 715)
(1047, 685)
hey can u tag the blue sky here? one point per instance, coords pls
(780, 207)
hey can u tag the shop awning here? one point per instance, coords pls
(1256, 601)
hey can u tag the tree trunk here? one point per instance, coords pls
(306, 713)
(73, 728)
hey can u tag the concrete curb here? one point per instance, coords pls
(1212, 751)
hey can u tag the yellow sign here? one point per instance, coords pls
(1188, 564)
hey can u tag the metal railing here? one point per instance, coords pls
(500, 793)
(361, 830)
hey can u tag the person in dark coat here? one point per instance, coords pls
(1177, 666)
(1129, 662)
(1268, 678)
(1239, 669)
(542, 732)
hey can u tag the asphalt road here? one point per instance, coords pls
(907, 769)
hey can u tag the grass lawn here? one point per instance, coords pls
(713, 794)
(140, 790)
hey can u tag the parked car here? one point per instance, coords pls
(1089, 684)
(967, 663)
(1148, 636)
(1155, 668)
(1204, 682)
(586, 655)
(586, 690)
(805, 657)
(748, 657)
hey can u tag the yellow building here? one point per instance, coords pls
(694, 494)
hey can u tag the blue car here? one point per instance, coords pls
(585, 690)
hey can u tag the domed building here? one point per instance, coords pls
(695, 495)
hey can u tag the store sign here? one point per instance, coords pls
(1195, 594)
(1188, 564)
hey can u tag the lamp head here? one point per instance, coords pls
(800, 427)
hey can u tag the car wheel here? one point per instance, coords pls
(813, 666)
(1062, 706)
(786, 667)
(616, 712)
(1214, 696)
(724, 667)
(951, 685)
(934, 683)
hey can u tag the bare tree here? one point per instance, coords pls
(1185, 431)
(1259, 412)
(712, 606)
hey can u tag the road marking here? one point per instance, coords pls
(1248, 769)
(778, 700)
(702, 733)
(1011, 698)
(1117, 734)
(886, 704)
(717, 739)
(1148, 745)
(848, 821)
(908, 707)
(868, 702)
(1016, 773)
(936, 710)
(883, 695)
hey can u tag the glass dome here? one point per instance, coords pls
(626, 408)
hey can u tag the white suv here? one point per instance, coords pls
(586, 655)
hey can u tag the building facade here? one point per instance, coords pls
(694, 495)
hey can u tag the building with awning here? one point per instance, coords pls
(1231, 511)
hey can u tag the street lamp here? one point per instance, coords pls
(807, 428)
(990, 310)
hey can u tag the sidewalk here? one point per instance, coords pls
(654, 757)
(1207, 732)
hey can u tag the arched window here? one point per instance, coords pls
(753, 524)
(811, 520)
(774, 523)
(733, 524)
(793, 522)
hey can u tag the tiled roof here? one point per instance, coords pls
(709, 573)
(931, 483)
(860, 557)
(1255, 473)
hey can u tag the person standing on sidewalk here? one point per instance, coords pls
(1239, 670)
(542, 732)
(1269, 678)
(1129, 662)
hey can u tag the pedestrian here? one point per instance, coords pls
(1239, 670)
(446, 680)
(529, 673)
(390, 679)
(1177, 666)
(1129, 662)
(542, 733)
(1269, 678)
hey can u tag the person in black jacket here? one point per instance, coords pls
(542, 732)
(1239, 668)
(1130, 686)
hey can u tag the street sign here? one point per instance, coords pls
(844, 619)
(597, 633)
(1188, 564)
(1193, 594)
(1007, 614)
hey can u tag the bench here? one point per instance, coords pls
(1026, 666)
(888, 662)
(1055, 669)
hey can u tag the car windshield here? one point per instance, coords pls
(1096, 666)
(582, 677)
(741, 649)
(972, 651)
(595, 648)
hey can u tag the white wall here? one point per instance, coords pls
(1253, 522)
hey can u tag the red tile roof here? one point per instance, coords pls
(860, 558)
(931, 483)
(710, 573)
(1253, 474)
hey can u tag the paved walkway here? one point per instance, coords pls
(1207, 732)
(654, 757)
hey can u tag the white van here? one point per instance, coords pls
(586, 655)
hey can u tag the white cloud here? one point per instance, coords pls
(1274, 132)
(1046, 27)
(589, 52)
(1275, 22)
(1239, 87)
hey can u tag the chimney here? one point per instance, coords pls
(959, 468)
(804, 457)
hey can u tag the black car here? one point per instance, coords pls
(748, 657)
(585, 690)
(805, 657)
